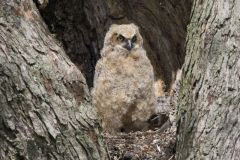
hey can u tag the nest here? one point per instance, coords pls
(148, 145)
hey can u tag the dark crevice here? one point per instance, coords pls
(81, 26)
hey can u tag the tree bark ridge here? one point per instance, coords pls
(208, 101)
(46, 110)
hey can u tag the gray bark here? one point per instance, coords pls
(209, 98)
(45, 109)
(82, 25)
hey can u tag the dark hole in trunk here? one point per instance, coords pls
(81, 26)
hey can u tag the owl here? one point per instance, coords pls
(123, 91)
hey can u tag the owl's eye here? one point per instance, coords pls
(121, 38)
(134, 39)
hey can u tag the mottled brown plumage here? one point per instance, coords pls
(123, 91)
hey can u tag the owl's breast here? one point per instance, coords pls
(123, 80)
(125, 72)
(124, 66)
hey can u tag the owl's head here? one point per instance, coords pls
(123, 37)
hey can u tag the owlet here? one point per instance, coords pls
(123, 91)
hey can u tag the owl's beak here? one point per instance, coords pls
(128, 45)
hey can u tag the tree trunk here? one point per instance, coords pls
(209, 98)
(45, 106)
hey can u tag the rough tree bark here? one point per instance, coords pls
(45, 109)
(209, 101)
(82, 24)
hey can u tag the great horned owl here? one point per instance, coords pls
(123, 91)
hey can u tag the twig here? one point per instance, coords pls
(171, 157)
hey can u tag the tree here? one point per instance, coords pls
(209, 96)
(46, 111)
